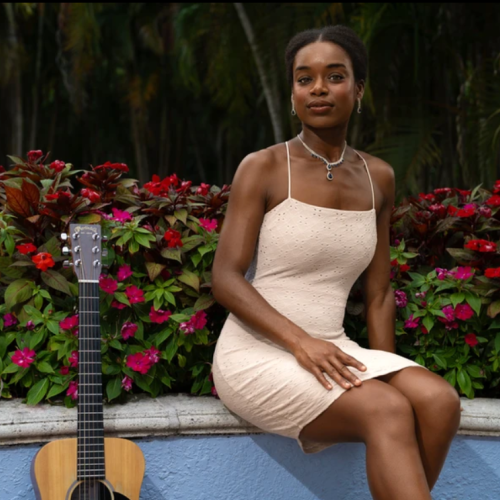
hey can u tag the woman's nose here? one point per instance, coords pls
(319, 87)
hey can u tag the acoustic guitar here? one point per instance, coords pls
(90, 466)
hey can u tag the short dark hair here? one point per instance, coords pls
(341, 35)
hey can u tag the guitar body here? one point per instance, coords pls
(54, 472)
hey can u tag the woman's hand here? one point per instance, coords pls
(318, 356)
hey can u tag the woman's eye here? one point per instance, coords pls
(303, 80)
(336, 77)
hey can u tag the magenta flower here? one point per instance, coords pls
(199, 320)
(72, 390)
(462, 273)
(134, 294)
(401, 298)
(69, 323)
(158, 316)
(471, 339)
(139, 362)
(9, 320)
(118, 305)
(73, 359)
(208, 224)
(442, 273)
(449, 312)
(127, 383)
(24, 358)
(153, 353)
(186, 327)
(464, 311)
(30, 325)
(128, 330)
(124, 272)
(108, 285)
(411, 323)
(64, 370)
(121, 215)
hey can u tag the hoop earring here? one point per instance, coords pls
(293, 109)
(359, 105)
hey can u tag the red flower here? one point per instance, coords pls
(464, 192)
(128, 330)
(26, 248)
(64, 370)
(404, 267)
(428, 197)
(108, 285)
(159, 316)
(58, 165)
(438, 208)
(34, 155)
(452, 210)
(185, 185)
(464, 311)
(69, 323)
(73, 359)
(173, 237)
(124, 272)
(492, 272)
(91, 195)
(134, 294)
(116, 166)
(442, 190)
(203, 189)
(57, 195)
(23, 358)
(466, 212)
(493, 201)
(471, 339)
(139, 362)
(43, 261)
(481, 245)
(72, 390)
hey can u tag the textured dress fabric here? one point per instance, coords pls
(306, 260)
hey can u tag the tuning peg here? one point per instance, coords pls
(66, 264)
(64, 236)
(65, 250)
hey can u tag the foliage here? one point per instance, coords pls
(156, 301)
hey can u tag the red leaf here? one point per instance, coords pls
(17, 201)
(31, 193)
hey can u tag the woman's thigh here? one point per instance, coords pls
(360, 412)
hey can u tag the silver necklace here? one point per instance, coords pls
(328, 164)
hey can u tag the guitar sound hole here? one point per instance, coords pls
(94, 490)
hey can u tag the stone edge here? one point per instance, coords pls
(175, 415)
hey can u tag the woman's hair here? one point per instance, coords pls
(341, 35)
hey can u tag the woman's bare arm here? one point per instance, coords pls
(235, 250)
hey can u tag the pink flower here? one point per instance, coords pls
(462, 273)
(401, 298)
(464, 311)
(208, 225)
(449, 312)
(485, 212)
(73, 359)
(442, 273)
(471, 339)
(128, 330)
(69, 323)
(72, 390)
(24, 358)
(411, 323)
(186, 327)
(118, 305)
(158, 316)
(153, 354)
(127, 383)
(30, 325)
(134, 294)
(124, 272)
(121, 215)
(139, 362)
(9, 320)
(64, 370)
(199, 320)
(108, 285)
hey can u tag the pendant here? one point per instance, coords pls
(329, 176)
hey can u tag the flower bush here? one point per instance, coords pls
(159, 320)
(158, 317)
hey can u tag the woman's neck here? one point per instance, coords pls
(328, 143)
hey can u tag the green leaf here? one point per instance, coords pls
(497, 343)
(162, 336)
(114, 388)
(493, 309)
(195, 259)
(34, 313)
(171, 349)
(37, 338)
(464, 381)
(440, 361)
(53, 327)
(12, 368)
(204, 249)
(169, 297)
(133, 246)
(474, 371)
(181, 214)
(154, 269)
(191, 279)
(172, 254)
(457, 298)
(116, 344)
(18, 291)
(45, 367)
(204, 302)
(143, 240)
(37, 392)
(182, 360)
(428, 322)
(451, 377)
(474, 301)
(56, 280)
(57, 389)
(122, 297)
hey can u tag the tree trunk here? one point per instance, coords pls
(272, 102)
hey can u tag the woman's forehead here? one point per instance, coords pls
(321, 54)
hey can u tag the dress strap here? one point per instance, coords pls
(289, 175)
(369, 177)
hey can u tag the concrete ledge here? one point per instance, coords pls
(178, 414)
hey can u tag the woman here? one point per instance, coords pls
(305, 219)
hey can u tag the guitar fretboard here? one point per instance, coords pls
(90, 415)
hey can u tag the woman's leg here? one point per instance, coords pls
(378, 415)
(436, 405)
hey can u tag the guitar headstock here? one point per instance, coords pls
(85, 247)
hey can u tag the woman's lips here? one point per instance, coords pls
(320, 109)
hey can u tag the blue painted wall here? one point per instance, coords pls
(270, 467)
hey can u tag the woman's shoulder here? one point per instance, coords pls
(381, 172)
(262, 162)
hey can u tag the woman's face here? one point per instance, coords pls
(324, 89)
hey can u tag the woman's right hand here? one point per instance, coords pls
(318, 356)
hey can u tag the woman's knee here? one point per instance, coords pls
(439, 397)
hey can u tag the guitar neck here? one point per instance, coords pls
(90, 411)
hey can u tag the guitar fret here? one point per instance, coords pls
(89, 350)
